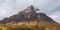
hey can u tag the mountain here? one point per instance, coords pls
(29, 19)
(29, 14)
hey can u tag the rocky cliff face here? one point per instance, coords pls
(28, 14)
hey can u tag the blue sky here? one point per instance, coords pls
(11, 7)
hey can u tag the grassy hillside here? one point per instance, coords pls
(33, 25)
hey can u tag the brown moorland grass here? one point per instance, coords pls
(33, 25)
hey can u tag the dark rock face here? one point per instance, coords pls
(28, 14)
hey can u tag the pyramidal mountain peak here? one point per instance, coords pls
(29, 14)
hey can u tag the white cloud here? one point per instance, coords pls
(3, 13)
(7, 8)
(55, 16)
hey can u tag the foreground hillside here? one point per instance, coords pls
(33, 25)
